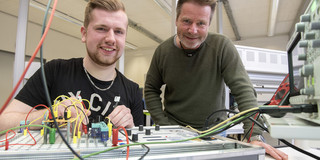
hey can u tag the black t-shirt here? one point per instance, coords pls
(67, 77)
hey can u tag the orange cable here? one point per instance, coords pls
(127, 138)
(32, 58)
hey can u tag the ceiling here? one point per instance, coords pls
(150, 23)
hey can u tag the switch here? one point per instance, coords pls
(306, 70)
(157, 127)
(315, 25)
(300, 27)
(302, 57)
(140, 127)
(305, 18)
(310, 35)
(135, 137)
(303, 44)
(316, 43)
(148, 131)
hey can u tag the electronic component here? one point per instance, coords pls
(220, 148)
(304, 79)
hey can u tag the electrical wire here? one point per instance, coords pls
(237, 119)
(299, 149)
(289, 144)
(28, 65)
(10, 137)
(143, 145)
(225, 121)
(148, 150)
(230, 125)
(45, 83)
(251, 130)
(25, 121)
(30, 125)
(23, 126)
(127, 138)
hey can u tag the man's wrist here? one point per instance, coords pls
(257, 138)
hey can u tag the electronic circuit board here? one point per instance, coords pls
(157, 140)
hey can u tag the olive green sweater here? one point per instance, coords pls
(195, 85)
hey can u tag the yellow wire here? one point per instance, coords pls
(108, 119)
(77, 120)
(38, 118)
(227, 120)
(82, 108)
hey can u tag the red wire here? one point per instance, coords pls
(31, 59)
(7, 140)
(35, 142)
(25, 122)
(125, 131)
(7, 136)
(252, 127)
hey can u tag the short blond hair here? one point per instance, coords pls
(108, 5)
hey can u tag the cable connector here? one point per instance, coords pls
(117, 100)
(6, 145)
(280, 111)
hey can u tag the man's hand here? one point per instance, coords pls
(121, 116)
(76, 109)
(273, 152)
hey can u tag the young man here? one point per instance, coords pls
(93, 77)
(194, 65)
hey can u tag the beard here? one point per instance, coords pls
(190, 45)
(103, 60)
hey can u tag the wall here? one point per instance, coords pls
(136, 61)
(137, 64)
(54, 43)
(276, 42)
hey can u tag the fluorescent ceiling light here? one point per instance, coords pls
(66, 17)
(273, 17)
(57, 14)
(131, 46)
(165, 5)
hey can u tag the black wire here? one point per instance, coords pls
(231, 111)
(251, 128)
(44, 82)
(81, 111)
(291, 145)
(148, 149)
(232, 124)
(299, 149)
(143, 145)
(245, 135)
(266, 129)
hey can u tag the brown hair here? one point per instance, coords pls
(211, 3)
(108, 5)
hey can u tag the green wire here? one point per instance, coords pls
(31, 125)
(166, 142)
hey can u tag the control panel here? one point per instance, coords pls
(152, 142)
(304, 75)
(309, 28)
